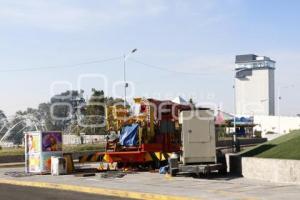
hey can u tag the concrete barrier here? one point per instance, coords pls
(21, 158)
(273, 170)
(234, 164)
(244, 141)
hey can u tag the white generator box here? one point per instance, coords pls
(58, 166)
(198, 137)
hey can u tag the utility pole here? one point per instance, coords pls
(125, 56)
(125, 83)
(278, 109)
(278, 104)
(234, 119)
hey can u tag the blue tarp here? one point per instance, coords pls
(129, 135)
(164, 169)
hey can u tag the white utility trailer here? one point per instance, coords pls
(198, 144)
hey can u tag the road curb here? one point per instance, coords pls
(11, 165)
(93, 190)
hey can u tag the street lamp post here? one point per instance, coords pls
(278, 109)
(234, 117)
(125, 56)
(278, 103)
(235, 141)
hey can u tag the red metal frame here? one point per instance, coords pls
(156, 147)
(163, 140)
(126, 156)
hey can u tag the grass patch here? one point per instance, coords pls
(11, 151)
(83, 147)
(284, 147)
(66, 148)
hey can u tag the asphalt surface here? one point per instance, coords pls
(206, 188)
(12, 192)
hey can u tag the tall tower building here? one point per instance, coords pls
(254, 85)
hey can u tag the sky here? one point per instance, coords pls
(185, 47)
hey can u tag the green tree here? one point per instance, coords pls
(64, 108)
(92, 116)
(110, 101)
(94, 113)
(3, 123)
(16, 129)
(2, 115)
(46, 119)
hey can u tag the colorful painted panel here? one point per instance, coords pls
(40, 146)
(46, 160)
(33, 163)
(33, 143)
(51, 141)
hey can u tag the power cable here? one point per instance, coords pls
(173, 71)
(61, 66)
(102, 61)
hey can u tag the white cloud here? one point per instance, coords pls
(207, 64)
(73, 15)
(57, 15)
(287, 66)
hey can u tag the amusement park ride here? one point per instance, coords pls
(160, 133)
(150, 133)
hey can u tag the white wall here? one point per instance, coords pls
(274, 170)
(87, 139)
(255, 94)
(271, 92)
(278, 124)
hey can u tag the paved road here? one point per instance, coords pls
(217, 188)
(11, 192)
